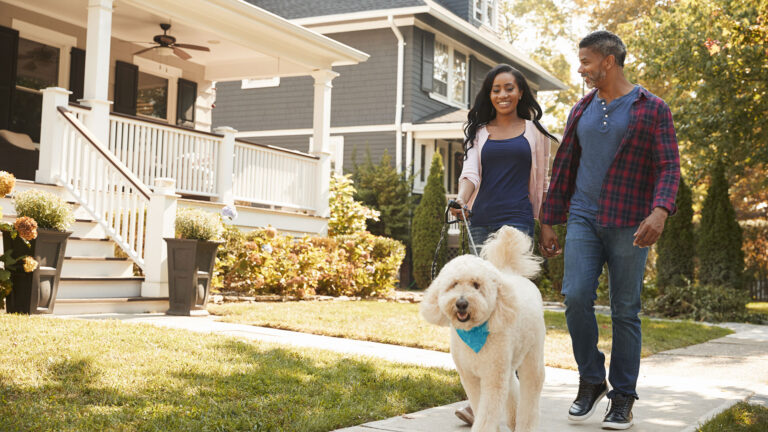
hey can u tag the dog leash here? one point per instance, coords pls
(464, 217)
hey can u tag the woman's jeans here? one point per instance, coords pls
(587, 247)
(481, 233)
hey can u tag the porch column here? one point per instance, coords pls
(225, 170)
(320, 146)
(161, 219)
(51, 134)
(96, 89)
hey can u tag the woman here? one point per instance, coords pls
(506, 156)
(506, 161)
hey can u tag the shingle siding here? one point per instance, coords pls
(462, 8)
(292, 9)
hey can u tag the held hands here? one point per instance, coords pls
(650, 228)
(548, 244)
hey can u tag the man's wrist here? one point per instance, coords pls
(661, 210)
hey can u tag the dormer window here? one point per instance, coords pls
(485, 12)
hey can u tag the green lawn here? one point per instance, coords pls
(73, 375)
(401, 324)
(742, 417)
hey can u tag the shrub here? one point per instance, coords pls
(720, 256)
(347, 215)
(48, 210)
(197, 224)
(23, 227)
(676, 246)
(701, 303)
(428, 222)
(755, 247)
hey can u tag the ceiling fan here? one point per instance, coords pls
(167, 45)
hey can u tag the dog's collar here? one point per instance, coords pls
(475, 337)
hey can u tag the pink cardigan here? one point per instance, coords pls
(539, 181)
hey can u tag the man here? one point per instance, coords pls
(614, 180)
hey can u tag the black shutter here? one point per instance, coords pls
(9, 52)
(427, 60)
(126, 87)
(76, 74)
(477, 72)
(185, 106)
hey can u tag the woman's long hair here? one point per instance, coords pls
(483, 112)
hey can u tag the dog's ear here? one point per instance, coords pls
(505, 309)
(430, 307)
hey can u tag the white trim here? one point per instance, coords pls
(383, 13)
(334, 130)
(360, 25)
(260, 83)
(62, 41)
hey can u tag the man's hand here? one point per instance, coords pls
(548, 244)
(650, 228)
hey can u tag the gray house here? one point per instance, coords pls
(411, 98)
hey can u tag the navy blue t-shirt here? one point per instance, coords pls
(600, 131)
(503, 195)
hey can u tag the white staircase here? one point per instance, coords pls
(93, 279)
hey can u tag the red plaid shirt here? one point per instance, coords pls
(644, 173)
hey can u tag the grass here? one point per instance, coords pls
(742, 417)
(72, 375)
(401, 324)
(758, 307)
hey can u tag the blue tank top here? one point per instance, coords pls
(503, 195)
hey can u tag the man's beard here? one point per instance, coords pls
(592, 79)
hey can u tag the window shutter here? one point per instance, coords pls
(76, 74)
(427, 60)
(9, 48)
(126, 87)
(185, 105)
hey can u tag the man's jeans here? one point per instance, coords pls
(587, 247)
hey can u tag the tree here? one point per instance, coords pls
(720, 255)
(347, 215)
(428, 220)
(709, 58)
(676, 247)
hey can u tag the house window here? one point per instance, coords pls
(440, 76)
(484, 11)
(152, 99)
(449, 80)
(37, 68)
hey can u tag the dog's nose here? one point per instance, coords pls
(461, 303)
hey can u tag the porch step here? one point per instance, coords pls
(87, 266)
(79, 306)
(90, 247)
(9, 209)
(80, 228)
(99, 287)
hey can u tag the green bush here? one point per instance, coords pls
(347, 215)
(676, 246)
(721, 259)
(701, 303)
(428, 220)
(264, 262)
(48, 210)
(197, 224)
(755, 247)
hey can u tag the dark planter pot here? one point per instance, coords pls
(190, 269)
(35, 292)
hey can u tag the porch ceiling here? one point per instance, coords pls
(245, 41)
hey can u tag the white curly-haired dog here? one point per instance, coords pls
(493, 293)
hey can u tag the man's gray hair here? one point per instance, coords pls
(605, 43)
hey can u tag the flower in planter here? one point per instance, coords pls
(29, 264)
(50, 211)
(26, 227)
(7, 182)
(196, 224)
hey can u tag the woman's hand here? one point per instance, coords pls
(457, 212)
(548, 244)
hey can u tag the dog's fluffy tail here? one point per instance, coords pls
(510, 249)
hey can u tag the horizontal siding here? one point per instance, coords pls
(461, 8)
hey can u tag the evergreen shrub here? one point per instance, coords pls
(428, 220)
(676, 246)
(711, 303)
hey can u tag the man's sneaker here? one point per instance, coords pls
(619, 415)
(586, 400)
(466, 415)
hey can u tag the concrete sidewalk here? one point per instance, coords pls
(678, 389)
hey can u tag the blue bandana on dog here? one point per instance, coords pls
(474, 338)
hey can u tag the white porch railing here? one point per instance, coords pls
(111, 194)
(152, 150)
(276, 177)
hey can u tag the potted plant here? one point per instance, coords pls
(191, 259)
(34, 289)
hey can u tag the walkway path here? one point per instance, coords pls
(678, 388)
